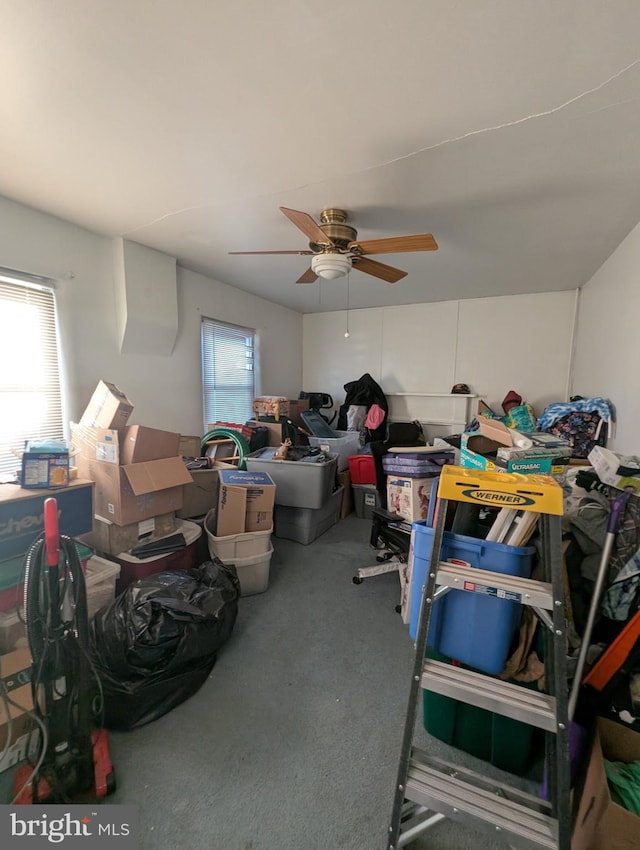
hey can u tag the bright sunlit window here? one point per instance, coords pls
(228, 372)
(30, 398)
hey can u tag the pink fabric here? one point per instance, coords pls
(375, 417)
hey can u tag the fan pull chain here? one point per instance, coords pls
(346, 335)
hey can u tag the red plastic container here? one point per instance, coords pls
(362, 469)
(132, 568)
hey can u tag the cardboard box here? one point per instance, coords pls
(346, 503)
(131, 444)
(139, 444)
(112, 539)
(44, 469)
(15, 669)
(108, 408)
(296, 407)
(274, 429)
(22, 514)
(138, 491)
(190, 446)
(91, 443)
(245, 502)
(606, 464)
(478, 450)
(602, 824)
(201, 495)
(409, 497)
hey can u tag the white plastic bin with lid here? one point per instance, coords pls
(299, 483)
(100, 581)
(245, 545)
(345, 443)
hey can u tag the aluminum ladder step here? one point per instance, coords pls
(483, 691)
(481, 803)
(521, 820)
(526, 591)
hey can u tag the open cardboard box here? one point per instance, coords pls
(602, 824)
(201, 495)
(478, 450)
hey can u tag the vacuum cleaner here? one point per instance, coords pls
(74, 761)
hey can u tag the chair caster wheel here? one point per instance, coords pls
(357, 580)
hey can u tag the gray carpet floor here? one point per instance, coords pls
(293, 741)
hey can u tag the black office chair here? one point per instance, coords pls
(387, 535)
(392, 542)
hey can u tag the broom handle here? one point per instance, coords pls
(612, 526)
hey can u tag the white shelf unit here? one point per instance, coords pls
(440, 414)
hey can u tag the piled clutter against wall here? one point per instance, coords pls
(496, 636)
(172, 530)
(145, 568)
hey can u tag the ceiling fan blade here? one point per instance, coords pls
(384, 272)
(307, 225)
(395, 244)
(271, 252)
(308, 277)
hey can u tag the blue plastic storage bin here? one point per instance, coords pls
(476, 629)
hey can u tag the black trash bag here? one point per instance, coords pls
(155, 645)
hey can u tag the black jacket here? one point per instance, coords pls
(365, 391)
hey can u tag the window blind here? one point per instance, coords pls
(30, 397)
(228, 372)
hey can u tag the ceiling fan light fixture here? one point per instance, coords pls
(331, 266)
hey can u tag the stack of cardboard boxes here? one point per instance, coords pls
(138, 474)
(495, 447)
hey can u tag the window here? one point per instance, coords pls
(228, 372)
(30, 398)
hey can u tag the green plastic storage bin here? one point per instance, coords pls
(507, 744)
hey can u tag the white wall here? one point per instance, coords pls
(607, 352)
(166, 390)
(520, 342)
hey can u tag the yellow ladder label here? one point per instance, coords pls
(540, 493)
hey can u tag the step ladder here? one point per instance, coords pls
(429, 789)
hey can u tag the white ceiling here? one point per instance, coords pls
(507, 129)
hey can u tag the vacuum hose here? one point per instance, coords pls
(42, 594)
(241, 444)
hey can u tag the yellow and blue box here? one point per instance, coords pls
(42, 469)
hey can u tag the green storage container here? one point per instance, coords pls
(507, 744)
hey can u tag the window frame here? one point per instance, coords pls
(20, 288)
(208, 326)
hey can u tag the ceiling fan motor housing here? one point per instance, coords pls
(333, 225)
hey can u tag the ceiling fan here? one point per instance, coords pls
(335, 248)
